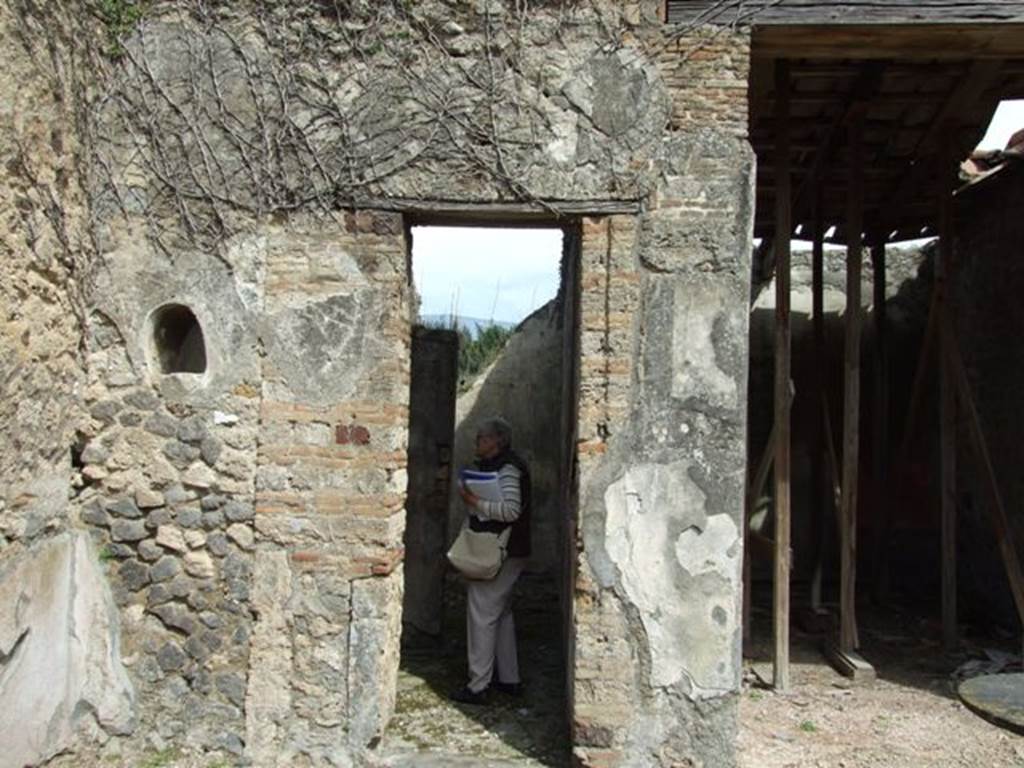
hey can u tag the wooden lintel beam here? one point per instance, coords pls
(899, 41)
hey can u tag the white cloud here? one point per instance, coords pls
(500, 274)
(1007, 120)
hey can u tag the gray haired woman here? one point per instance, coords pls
(490, 627)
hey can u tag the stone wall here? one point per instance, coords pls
(61, 672)
(245, 160)
(431, 445)
(987, 314)
(524, 386)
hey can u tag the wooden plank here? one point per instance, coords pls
(849, 663)
(783, 231)
(766, 13)
(848, 639)
(996, 508)
(819, 499)
(947, 404)
(930, 42)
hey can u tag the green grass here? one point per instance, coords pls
(161, 759)
(808, 727)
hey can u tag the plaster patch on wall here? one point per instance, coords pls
(679, 568)
(696, 372)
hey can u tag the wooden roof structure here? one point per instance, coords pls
(919, 73)
(860, 113)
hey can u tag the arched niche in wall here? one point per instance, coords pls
(176, 341)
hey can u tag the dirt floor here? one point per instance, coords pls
(527, 732)
(909, 717)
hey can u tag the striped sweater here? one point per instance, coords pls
(508, 509)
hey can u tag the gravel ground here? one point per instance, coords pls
(909, 717)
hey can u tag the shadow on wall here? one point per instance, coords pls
(524, 386)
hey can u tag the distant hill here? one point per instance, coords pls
(472, 325)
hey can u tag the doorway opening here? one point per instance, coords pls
(495, 336)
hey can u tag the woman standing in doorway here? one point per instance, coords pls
(490, 628)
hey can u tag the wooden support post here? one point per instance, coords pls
(843, 655)
(882, 526)
(947, 400)
(848, 639)
(783, 233)
(819, 499)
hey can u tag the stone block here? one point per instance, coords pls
(171, 537)
(167, 567)
(128, 530)
(200, 565)
(60, 638)
(148, 499)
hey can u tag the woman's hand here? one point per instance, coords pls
(469, 497)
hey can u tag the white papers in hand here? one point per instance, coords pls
(483, 484)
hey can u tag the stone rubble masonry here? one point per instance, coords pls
(249, 518)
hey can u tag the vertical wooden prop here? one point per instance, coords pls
(783, 232)
(880, 431)
(820, 501)
(947, 399)
(848, 639)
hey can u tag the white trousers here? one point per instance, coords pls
(490, 628)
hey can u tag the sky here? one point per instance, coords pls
(504, 274)
(485, 273)
(1008, 119)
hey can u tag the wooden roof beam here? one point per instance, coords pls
(982, 75)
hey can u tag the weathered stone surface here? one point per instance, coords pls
(124, 508)
(95, 453)
(180, 454)
(305, 327)
(171, 537)
(134, 574)
(242, 535)
(167, 567)
(268, 701)
(171, 658)
(94, 514)
(193, 430)
(148, 499)
(176, 616)
(217, 543)
(128, 530)
(188, 517)
(238, 511)
(60, 641)
(688, 552)
(149, 550)
(200, 565)
(161, 424)
(142, 400)
(199, 476)
(373, 656)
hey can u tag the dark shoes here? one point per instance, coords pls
(467, 696)
(514, 690)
